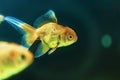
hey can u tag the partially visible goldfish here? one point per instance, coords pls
(1, 18)
(13, 59)
(46, 29)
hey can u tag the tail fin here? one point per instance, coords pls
(23, 28)
(19, 25)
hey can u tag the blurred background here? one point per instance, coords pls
(96, 54)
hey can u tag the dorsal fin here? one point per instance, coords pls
(46, 18)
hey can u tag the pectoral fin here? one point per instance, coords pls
(52, 50)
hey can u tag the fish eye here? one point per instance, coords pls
(22, 57)
(70, 37)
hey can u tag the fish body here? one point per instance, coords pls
(13, 59)
(55, 35)
(46, 29)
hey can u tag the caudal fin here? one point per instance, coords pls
(23, 28)
(19, 25)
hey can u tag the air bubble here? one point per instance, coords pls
(106, 41)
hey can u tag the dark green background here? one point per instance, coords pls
(87, 59)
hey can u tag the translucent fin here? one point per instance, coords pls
(22, 28)
(24, 41)
(41, 50)
(34, 46)
(16, 23)
(46, 18)
(52, 50)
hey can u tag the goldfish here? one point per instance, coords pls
(46, 29)
(13, 59)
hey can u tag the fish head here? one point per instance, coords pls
(20, 56)
(13, 59)
(69, 36)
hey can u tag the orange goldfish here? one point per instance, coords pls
(13, 59)
(46, 29)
